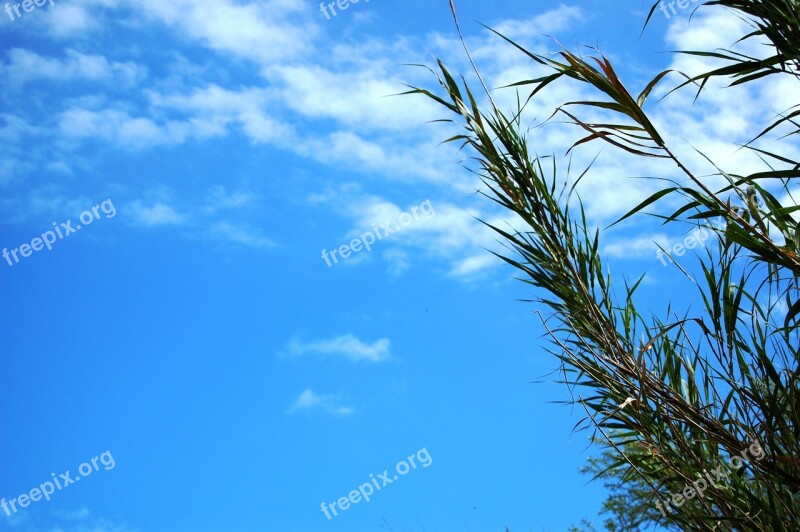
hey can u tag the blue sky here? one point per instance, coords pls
(198, 336)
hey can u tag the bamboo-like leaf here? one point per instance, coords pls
(650, 86)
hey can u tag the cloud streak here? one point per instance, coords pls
(308, 401)
(347, 346)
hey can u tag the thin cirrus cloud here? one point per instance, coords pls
(78, 520)
(639, 246)
(220, 199)
(241, 234)
(454, 234)
(346, 346)
(308, 401)
(156, 214)
(24, 66)
(158, 208)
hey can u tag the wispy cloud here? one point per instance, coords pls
(261, 32)
(220, 199)
(454, 234)
(329, 404)
(203, 220)
(347, 346)
(24, 66)
(154, 214)
(241, 234)
(636, 247)
(78, 520)
(48, 200)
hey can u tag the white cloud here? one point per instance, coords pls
(69, 20)
(213, 98)
(358, 97)
(74, 515)
(347, 346)
(329, 404)
(214, 110)
(453, 234)
(398, 260)
(335, 111)
(45, 201)
(18, 136)
(264, 116)
(157, 208)
(549, 22)
(156, 214)
(263, 32)
(78, 520)
(118, 127)
(639, 246)
(24, 66)
(219, 199)
(472, 265)
(240, 234)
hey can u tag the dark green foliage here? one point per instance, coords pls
(703, 386)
